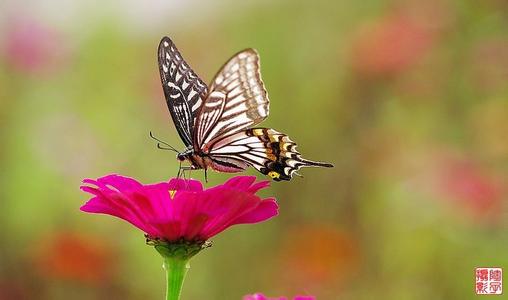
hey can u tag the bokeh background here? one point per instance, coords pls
(409, 100)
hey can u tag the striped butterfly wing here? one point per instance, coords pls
(268, 151)
(183, 89)
(237, 100)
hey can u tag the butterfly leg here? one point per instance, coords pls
(206, 175)
(182, 169)
(188, 179)
(179, 170)
(189, 169)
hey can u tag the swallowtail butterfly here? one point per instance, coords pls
(215, 122)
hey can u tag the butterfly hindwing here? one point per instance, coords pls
(267, 150)
(183, 89)
(237, 99)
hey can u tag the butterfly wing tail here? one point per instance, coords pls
(311, 163)
(285, 160)
(286, 168)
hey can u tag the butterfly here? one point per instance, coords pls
(216, 122)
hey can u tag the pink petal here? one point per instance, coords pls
(232, 204)
(97, 208)
(120, 182)
(267, 209)
(169, 230)
(154, 199)
(195, 226)
(258, 186)
(91, 190)
(178, 184)
(93, 182)
(240, 182)
(119, 205)
(101, 208)
(192, 210)
(186, 205)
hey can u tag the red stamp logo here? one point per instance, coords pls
(489, 281)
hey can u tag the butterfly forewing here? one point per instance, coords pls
(183, 89)
(237, 100)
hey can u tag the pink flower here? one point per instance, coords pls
(180, 210)
(472, 187)
(390, 46)
(31, 47)
(259, 296)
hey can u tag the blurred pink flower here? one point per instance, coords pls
(180, 209)
(471, 187)
(390, 46)
(259, 296)
(472, 190)
(29, 46)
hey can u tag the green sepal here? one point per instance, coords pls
(181, 249)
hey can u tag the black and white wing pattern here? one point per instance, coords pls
(268, 151)
(183, 89)
(216, 123)
(237, 100)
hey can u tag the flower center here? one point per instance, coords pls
(172, 193)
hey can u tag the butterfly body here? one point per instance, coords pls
(201, 160)
(215, 122)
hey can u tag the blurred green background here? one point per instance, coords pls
(409, 100)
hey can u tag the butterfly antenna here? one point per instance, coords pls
(161, 142)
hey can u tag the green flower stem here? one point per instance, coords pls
(176, 255)
(176, 269)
